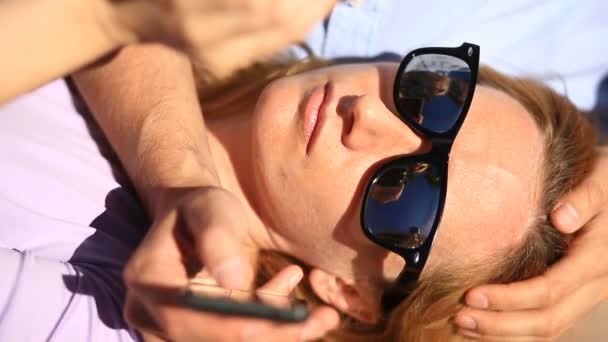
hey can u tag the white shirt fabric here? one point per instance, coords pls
(562, 42)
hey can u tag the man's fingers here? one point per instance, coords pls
(210, 28)
(586, 200)
(224, 58)
(276, 290)
(137, 315)
(148, 337)
(283, 282)
(321, 321)
(157, 260)
(215, 218)
(546, 323)
(579, 206)
(558, 281)
(154, 273)
(544, 305)
(474, 336)
(528, 294)
(228, 55)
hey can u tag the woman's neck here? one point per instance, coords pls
(230, 143)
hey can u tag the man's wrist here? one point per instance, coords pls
(173, 179)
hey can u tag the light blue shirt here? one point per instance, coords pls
(562, 42)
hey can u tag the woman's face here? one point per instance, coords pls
(310, 178)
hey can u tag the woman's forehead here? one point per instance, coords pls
(494, 175)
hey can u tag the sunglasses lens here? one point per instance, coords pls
(432, 91)
(402, 204)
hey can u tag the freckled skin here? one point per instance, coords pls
(314, 210)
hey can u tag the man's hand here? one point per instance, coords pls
(205, 225)
(223, 35)
(544, 307)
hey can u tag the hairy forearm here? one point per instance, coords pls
(46, 39)
(145, 101)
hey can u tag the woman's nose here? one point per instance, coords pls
(371, 126)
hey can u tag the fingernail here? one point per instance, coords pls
(295, 279)
(477, 300)
(567, 216)
(233, 274)
(466, 322)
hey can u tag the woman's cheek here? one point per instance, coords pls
(343, 192)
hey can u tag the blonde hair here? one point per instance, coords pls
(569, 142)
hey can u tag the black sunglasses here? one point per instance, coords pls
(404, 199)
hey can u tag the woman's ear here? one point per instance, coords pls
(358, 303)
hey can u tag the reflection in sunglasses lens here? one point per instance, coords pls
(432, 91)
(402, 204)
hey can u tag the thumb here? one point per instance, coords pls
(222, 244)
(226, 257)
(233, 273)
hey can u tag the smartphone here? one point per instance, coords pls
(211, 298)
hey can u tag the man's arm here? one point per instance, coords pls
(145, 101)
(45, 39)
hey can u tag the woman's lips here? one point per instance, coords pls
(314, 114)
